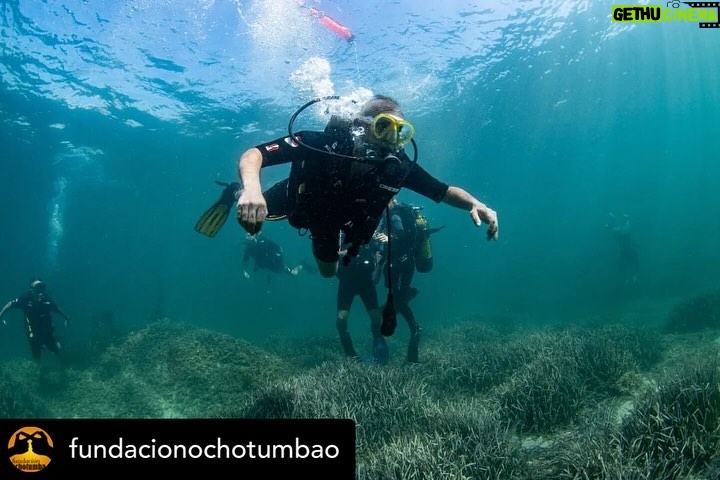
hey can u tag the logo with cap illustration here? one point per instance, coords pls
(30, 449)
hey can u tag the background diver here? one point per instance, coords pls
(628, 255)
(359, 279)
(266, 255)
(38, 308)
(411, 250)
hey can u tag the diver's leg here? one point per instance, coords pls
(326, 269)
(406, 272)
(368, 295)
(414, 342)
(345, 339)
(325, 246)
(35, 347)
(55, 346)
(344, 301)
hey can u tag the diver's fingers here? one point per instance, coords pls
(253, 228)
(261, 212)
(380, 237)
(243, 216)
(256, 215)
(250, 228)
(251, 214)
(251, 217)
(493, 228)
(489, 216)
(493, 231)
(251, 208)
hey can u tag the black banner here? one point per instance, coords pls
(252, 449)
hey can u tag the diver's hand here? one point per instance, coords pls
(380, 237)
(246, 274)
(482, 213)
(251, 210)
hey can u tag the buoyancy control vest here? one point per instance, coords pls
(331, 192)
(422, 250)
(418, 231)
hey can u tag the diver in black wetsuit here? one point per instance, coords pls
(38, 308)
(404, 235)
(359, 278)
(341, 180)
(266, 255)
(628, 255)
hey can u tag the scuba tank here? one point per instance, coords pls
(422, 250)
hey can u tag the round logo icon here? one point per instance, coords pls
(30, 449)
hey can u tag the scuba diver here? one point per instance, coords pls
(411, 250)
(38, 308)
(628, 255)
(341, 180)
(359, 278)
(266, 255)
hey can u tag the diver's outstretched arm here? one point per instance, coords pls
(5, 309)
(459, 198)
(251, 205)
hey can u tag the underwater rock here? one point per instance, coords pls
(699, 313)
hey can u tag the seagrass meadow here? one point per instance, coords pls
(603, 401)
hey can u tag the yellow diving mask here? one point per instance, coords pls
(391, 129)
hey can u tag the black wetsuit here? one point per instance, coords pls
(266, 254)
(327, 194)
(357, 278)
(38, 308)
(403, 231)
